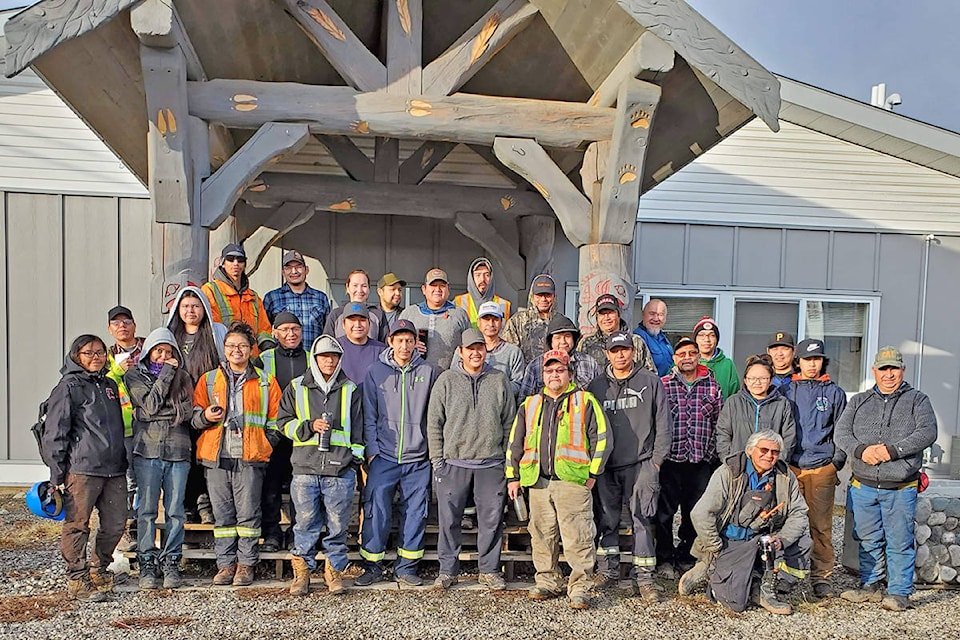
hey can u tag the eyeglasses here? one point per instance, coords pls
(234, 259)
(94, 354)
(764, 451)
(124, 322)
(753, 380)
(293, 329)
(236, 347)
(554, 371)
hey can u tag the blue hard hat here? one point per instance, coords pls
(44, 503)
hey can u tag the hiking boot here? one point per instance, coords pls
(693, 580)
(666, 571)
(244, 576)
(768, 596)
(270, 545)
(206, 516)
(371, 574)
(149, 573)
(225, 575)
(444, 581)
(128, 541)
(864, 593)
(605, 581)
(410, 579)
(468, 522)
(822, 590)
(896, 603)
(492, 581)
(540, 593)
(301, 577)
(101, 579)
(648, 591)
(334, 579)
(171, 573)
(579, 602)
(84, 589)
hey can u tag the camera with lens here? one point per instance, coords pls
(234, 424)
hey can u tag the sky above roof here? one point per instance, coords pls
(846, 47)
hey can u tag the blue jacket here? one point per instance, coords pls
(660, 349)
(817, 408)
(395, 408)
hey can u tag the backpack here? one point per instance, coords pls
(40, 427)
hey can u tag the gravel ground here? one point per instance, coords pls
(32, 587)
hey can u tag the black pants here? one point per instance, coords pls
(681, 485)
(636, 487)
(487, 487)
(278, 476)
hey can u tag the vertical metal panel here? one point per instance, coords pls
(806, 255)
(269, 275)
(899, 281)
(35, 305)
(853, 261)
(456, 252)
(658, 253)
(4, 342)
(136, 274)
(409, 254)
(360, 244)
(711, 255)
(91, 259)
(758, 258)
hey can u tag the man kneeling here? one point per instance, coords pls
(751, 518)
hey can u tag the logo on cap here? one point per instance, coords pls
(779, 336)
(813, 346)
(707, 325)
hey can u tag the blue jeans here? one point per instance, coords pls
(154, 475)
(319, 501)
(883, 524)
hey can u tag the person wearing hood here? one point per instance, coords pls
(757, 406)
(358, 290)
(235, 406)
(707, 336)
(232, 300)
(468, 424)
(83, 446)
(481, 288)
(562, 335)
(360, 351)
(608, 311)
(395, 396)
(284, 362)
(637, 411)
(322, 400)
(819, 403)
(161, 392)
(527, 328)
(200, 341)
(439, 323)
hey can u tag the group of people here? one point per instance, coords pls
(237, 400)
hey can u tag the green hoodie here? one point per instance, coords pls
(725, 371)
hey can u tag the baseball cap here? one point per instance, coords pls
(285, 317)
(781, 339)
(119, 310)
(292, 256)
(706, 324)
(435, 274)
(683, 341)
(619, 339)
(326, 344)
(402, 325)
(389, 279)
(470, 337)
(810, 348)
(555, 354)
(490, 308)
(233, 250)
(543, 283)
(608, 302)
(888, 356)
(356, 309)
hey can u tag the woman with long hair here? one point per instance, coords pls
(162, 395)
(235, 406)
(83, 444)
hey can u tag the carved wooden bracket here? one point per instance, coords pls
(647, 59)
(476, 227)
(285, 219)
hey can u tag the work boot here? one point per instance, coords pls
(301, 577)
(204, 508)
(864, 593)
(171, 573)
(579, 602)
(896, 603)
(101, 579)
(244, 576)
(225, 575)
(371, 573)
(693, 580)
(444, 581)
(666, 571)
(648, 591)
(149, 573)
(822, 590)
(768, 596)
(269, 545)
(541, 593)
(84, 589)
(604, 581)
(492, 581)
(128, 541)
(333, 578)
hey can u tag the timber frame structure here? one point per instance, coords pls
(562, 110)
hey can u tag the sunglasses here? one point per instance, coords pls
(764, 451)
(234, 259)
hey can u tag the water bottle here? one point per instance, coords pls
(325, 435)
(520, 506)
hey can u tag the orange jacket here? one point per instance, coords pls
(261, 401)
(227, 305)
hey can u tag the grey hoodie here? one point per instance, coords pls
(219, 331)
(528, 330)
(479, 298)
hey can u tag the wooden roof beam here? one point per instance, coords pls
(339, 45)
(647, 59)
(404, 46)
(464, 58)
(461, 117)
(476, 227)
(422, 161)
(355, 162)
(439, 201)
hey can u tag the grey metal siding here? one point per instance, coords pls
(659, 252)
(710, 255)
(807, 259)
(853, 261)
(758, 258)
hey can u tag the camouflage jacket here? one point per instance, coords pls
(528, 330)
(595, 345)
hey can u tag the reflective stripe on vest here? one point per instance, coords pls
(256, 419)
(572, 458)
(226, 311)
(575, 449)
(338, 437)
(465, 302)
(269, 360)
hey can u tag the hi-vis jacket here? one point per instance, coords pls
(302, 402)
(261, 401)
(564, 439)
(228, 304)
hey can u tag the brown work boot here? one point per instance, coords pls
(128, 541)
(101, 579)
(244, 576)
(334, 579)
(225, 575)
(84, 589)
(301, 577)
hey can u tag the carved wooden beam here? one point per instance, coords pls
(620, 191)
(386, 160)
(157, 24)
(341, 110)
(404, 46)
(647, 59)
(537, 238)
(476, 227)
(422, 161)
(707, 49)
(439, 201)
(529, 159)
(221, 190)
(487, 154)
(355, 162)
(339, 45)
(40, 28)
(285, 219)
(454, 67)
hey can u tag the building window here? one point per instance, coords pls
(843, 328)
(755, 322)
